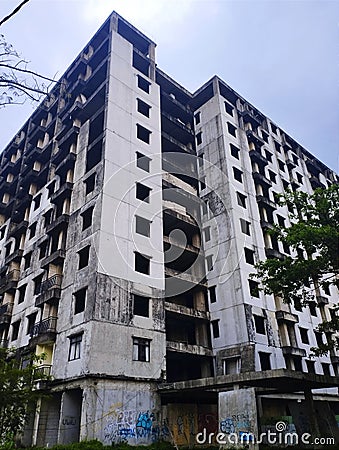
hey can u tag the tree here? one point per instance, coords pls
(18, 392)
(313, 238)
(17, 82)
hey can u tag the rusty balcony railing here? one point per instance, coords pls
(45, 326)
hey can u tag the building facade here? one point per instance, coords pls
(132, 214)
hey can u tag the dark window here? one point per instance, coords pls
(259, 323)
(142, 226)
(298, 364)
(234, 151)
(22, 292)
(295, 159)
(232, 129)
(215, 328)
(197, 118)
(27, 259)
(249, 256)
(326, 369)
(277, 146)
(32, 230)
(281, 220)
(142, 263)
(209, 262)
(143, 84)
(265, 361)
(268, 156)
(90, 184)
(8, 248)
(274, 129)
(75, 347)
(143, 107)
(304, 335)
(199, 138)
(203, 183)
(264, 136)
(31, 319)
(204, 207)
(254, 288)
(83, 257)
(286, 186)
(207, 233)
(245, 227)
(141, 349)
(143, 192)
(299, 178)
(141, 306)
(80, 300)
(37, 284)
(94, 154)
(229, 108)
(2, 232)
(281, 165)
(87, 217)
(201, 160)
(272, 176)
(15, 330)
(313, 308)
(37, 201)
(143, 162)
(310, 366)
(48, 217)
(237, 174)
(143, 134)
(319, 338)
(43, 249)
(212, 292)
(241, 198)
(326, 289)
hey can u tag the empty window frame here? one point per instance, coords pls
(27, 259)
(197, 118)
(215, 328)
(87, 217)
(141, 305)
(31, 319)
(75, 347)
(207, 233)
(281, 165)
(142, 226)
(268, 156)
(265, 361)
(83, 255)
(142, 263)
(299, 178)
(310, 366)
(15, 330)
(141, 349)
(272, 176)
(143, 84)
(237, 174)
(90, 184)
(259, 323)
(212, 294)
(142, 192)
(234, 151)
(254, 288)
(199, 138)
(249, 256)
(80, 300)
(37, 284)
(37, 201)
(209, 262)
(231, 129)
(22, 293)
(143, 162)
(143, 108)
(32, 230)
(241, 199)
(264, 136)
(143, 134)
(229, 108)
(304, 335)
(231, 365)
(43, 249)
(245, 227)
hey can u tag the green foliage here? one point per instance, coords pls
(313, 238)
(18, 393)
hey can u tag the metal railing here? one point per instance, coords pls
(52, 282)
(45, 326)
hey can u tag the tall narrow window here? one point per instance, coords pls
(142, 263)
(199, 138)
(143, 192)
(143, 134)
(75, 347)
(212, 293)
(245, 227)
(15, 330)
(87, 217)
(231, 129)
(141, 305)
(234, 151)
(80, 300)
(83, 257)
(259, 323)
(90, 184)
(265, 361)
(215, 328)
(237, 174)
(142, 226)
(141, 349)
(143, 162)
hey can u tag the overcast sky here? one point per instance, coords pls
(282, 56)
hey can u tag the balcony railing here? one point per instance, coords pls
(50, 283)
(43, 370)
(45, 326)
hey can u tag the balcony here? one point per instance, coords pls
(183, 347)
(56, 257)
(290, 163)
(174, 181)
(175, 277)
(9, 281)
(44, 331)
(191, 248)
(6, 313)
(185, 311)
(175, 126)
(316, 183)
(64, 191)
(67, 163)
(170, 144)
(286, 316)
(322, 300)
(251, 117)
(15, 256)
(58, 223)
(261, 179)
(261, 199)
(253, 137)
(293, 351)
(43, 371)
(50, 290)
(273, 253)
(16, 229)
(266, 225)
(256, 156)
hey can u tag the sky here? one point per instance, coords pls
(280, 55)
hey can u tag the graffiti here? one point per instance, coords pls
(227, 426)
(180, 423)
(208, 421)
(237, 423)
(69, 421)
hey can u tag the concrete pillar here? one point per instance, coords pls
(310, 410)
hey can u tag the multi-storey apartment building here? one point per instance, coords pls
(132, 214)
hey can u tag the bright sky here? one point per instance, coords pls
(282, 56)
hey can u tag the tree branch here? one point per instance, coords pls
(31, 72)
(13, 12)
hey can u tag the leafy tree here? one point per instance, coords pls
(18, 392)
(313, 238)
(17, 82)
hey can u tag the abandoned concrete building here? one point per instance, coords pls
(132, 214)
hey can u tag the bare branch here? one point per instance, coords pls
(15, 10)
(31, 72)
